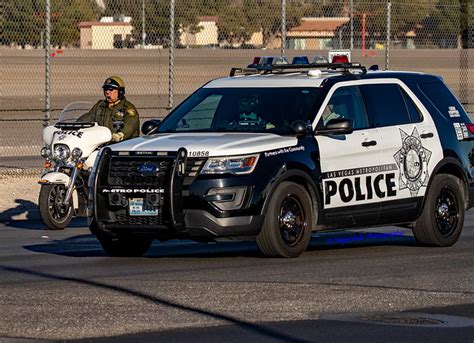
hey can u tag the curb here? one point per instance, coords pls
(20, 172)
(17, 151)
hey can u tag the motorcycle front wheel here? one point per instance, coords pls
(53, 212)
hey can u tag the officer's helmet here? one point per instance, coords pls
(115, 82)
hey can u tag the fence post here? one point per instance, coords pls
(143, 25)
(387, 43)
(352, 23)
(463, 57)
(47, 52)
(171, 58)
(283, 27)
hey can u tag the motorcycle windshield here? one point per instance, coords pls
(74, 110)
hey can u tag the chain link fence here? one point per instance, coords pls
(56, 52)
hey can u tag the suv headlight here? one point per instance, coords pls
(62, 152)
(232, 164)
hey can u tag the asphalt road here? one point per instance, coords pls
(348, 287)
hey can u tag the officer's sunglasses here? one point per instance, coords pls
(109, 89)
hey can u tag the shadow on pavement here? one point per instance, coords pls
(355, 238)
(23, 215)
(307, 331)
(26, 216)
(89, 246)
(75, 246)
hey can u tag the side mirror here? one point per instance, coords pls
(300, 127)
(150, 126)
(337, 126)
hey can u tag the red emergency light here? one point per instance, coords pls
(340, 59)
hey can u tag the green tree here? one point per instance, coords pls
(24, 21)
(65, 27)
(266, 14)
(405, 16)
(449, 20)
(234, 25)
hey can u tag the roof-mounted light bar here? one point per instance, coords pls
(345, 68)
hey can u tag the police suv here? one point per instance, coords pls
(273, 153)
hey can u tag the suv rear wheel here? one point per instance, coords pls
(286, 230)
(442, 219)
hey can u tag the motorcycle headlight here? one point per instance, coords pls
(233, 165)
(76, 154)
(45, 152)
(62, 152)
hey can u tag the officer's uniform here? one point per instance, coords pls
(105, 114)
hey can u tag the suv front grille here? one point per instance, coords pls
(125, 219)
(124, 171)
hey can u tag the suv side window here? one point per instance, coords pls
(385, 105)
(415, 114)
(444, 101)
(346, 102)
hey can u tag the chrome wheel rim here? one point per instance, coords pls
(58, 211)
(446, 212)
(291, 220)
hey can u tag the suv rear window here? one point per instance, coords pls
(445, 102)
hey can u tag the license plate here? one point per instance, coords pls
(139, 207)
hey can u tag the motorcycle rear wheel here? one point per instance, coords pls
(54, 214)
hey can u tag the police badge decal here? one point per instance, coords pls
(412, 160)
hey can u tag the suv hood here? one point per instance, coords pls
(208, 144)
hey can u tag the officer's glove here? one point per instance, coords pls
(117, 137)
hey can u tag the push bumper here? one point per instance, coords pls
(197, 224)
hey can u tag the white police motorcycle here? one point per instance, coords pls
(70, 149)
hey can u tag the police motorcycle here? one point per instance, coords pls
(70, 149)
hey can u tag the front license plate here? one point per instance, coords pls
(138, 207)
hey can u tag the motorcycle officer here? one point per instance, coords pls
(115, 111)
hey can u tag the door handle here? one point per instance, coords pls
(369, 143)
(427, 135)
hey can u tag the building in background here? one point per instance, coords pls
(315, 33)
(207, 35)
(106, 33)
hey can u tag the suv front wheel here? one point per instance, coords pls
(288, 223)
(442, 219)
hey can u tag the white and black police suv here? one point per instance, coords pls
(275, 152)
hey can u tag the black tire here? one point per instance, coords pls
(124, 246)
(442, 219)
(288, 223)
(54, 214)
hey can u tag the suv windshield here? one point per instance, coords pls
(269, 110)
